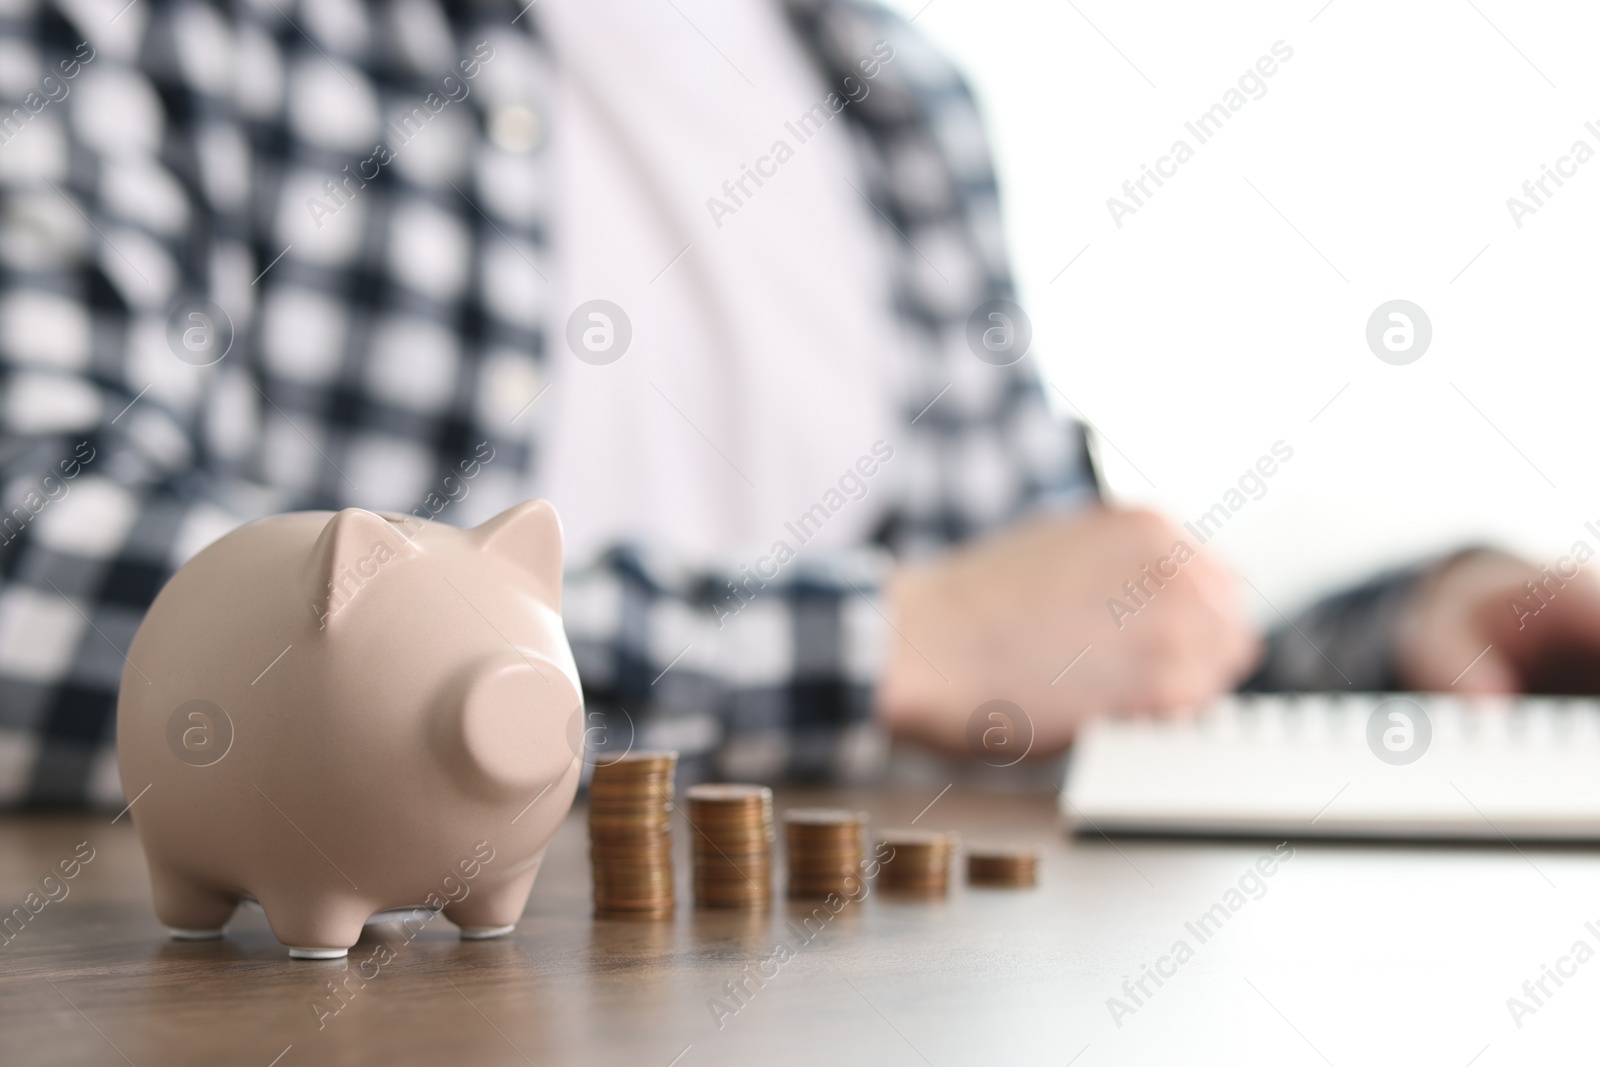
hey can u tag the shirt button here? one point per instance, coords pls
(515, 128)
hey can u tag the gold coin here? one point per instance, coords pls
(1016, 867)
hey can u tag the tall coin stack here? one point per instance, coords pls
(919, 865)
(630, 835)
(824, 850)
(733, 839)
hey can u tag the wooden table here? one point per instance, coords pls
(1351, 955)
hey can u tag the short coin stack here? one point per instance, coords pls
(919, 863)
(1003, 867)
(732, 826)
(630, 835)
(824, 850)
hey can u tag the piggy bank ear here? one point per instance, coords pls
(528, 535)
(349, 553)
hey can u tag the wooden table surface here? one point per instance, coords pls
(1345, 954)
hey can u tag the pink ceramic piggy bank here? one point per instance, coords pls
(338, 714)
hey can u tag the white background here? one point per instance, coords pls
(1205, 328)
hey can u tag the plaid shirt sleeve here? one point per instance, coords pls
(1346, 641)
(187, 344)
(217, 301)
(103, 483)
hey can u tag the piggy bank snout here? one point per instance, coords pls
(511, 725)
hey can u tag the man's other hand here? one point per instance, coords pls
(1106, 611)
(1521, 629)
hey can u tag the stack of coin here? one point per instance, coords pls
(1008, 867)
(630, 835)
(919, 863)
(733, 838)
(824, 851)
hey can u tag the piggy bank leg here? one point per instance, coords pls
(315, 926)
(492, 911)
(189, 910)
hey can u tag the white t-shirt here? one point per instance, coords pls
(765, 359)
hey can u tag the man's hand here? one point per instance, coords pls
(1003, 618)
(1522, 629)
